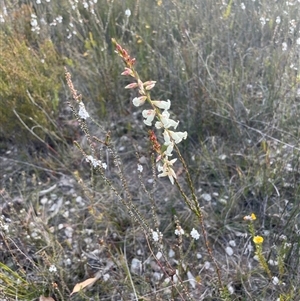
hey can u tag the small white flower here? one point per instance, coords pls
(94, 162)
(53, 23)
(167, 170)
(169, 150)
(179, 231)
(139, 101)
(139, 167)
(127, 12)
(284, 46)
(105, 277)
(278, 20)
(4, 227)
(33, 22)
(2, 19)
(38, 1)
(165, 121)
(149, 85)
(273, 262)
(243, 6)
(195, 234)
(156, 235)
(298, 41)
(167, 137)
(178, 136)
(149, 116)
(282, 237)
(275, 280)
(68, 262)
(164, 105)
(82, 111)
(52, 269)
(59, 19)
(262, 21)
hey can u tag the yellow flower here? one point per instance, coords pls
(251, 217)
(258, 240)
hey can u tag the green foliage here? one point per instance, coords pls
(30, 83)
(14, 284)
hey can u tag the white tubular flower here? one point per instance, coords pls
(164, 105)
(139, 101)
(128, 71)
(167, 137)
(149, 84)
(149, 116)
(167, 170)
(165, 121)
(141, 87)
(82, 111)
(169, 150)
(178, 136)
(132, 86)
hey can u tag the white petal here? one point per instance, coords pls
(165, 105)
(166, 138)
(229, 251)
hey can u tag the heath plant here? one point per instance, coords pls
(164, 139)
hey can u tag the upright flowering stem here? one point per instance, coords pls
(159, 115)
(258, 241)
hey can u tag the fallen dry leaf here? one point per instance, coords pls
(43, 298)
(82, 285)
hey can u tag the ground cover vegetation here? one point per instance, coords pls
(149, 150)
